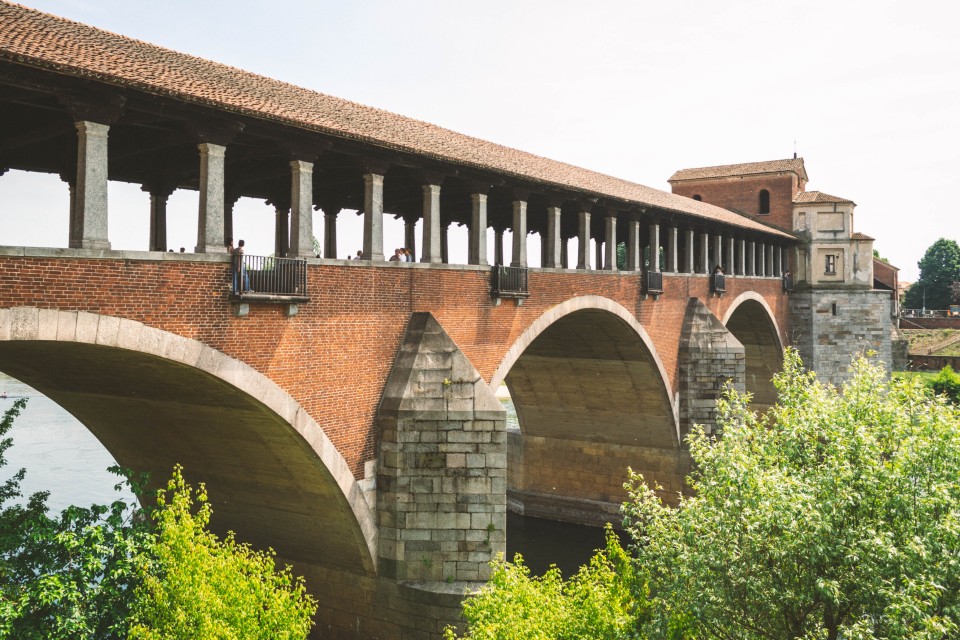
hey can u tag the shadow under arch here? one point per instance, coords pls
(750, 319)
(155, 399)
(592, 399)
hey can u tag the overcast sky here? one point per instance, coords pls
(870, 92)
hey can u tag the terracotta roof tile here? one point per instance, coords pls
(743, 169)
(807, 197)
(36, 39)
(860, 236)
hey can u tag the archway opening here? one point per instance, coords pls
(753, 326)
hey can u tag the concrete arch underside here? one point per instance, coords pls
(155, 399)
(751, 321)
(592, 399)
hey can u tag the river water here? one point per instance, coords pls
(61, 456)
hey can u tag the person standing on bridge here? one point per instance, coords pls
(240, 269)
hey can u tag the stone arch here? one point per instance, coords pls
(750, 319)
(148, 395)
(592, 399)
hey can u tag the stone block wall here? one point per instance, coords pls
(830, 327)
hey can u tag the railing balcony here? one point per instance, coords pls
(652, 283)
(718, 283)
(509, 282)
(266, 277)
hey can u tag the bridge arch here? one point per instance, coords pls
(750, 319)
(155, 398)
(592, 398)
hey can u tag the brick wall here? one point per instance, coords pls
(335, 355)
(743, 194)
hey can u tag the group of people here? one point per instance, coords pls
(401, 254)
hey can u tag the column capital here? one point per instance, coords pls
(520, 195)
(430, 177)
(215, 131)
(479, 187)
(158, 188)
(105, 108)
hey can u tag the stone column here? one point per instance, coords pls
(210, 220)
(554, 245)
(410, 237)
(768, 271)
(704, 253)
(762, 261)
(564, 254)
(751, 259)
(281, 234)
(583, 237)
(498, 246)
(688, 262)
(158, 219)
(598, 257)
(610, 243)
(519, 258)
(655, 248)
(718, 253)
(778, 261)
(330, 233)
(633, 246)
(444, 243)
(671, 250)
(742, 259)
(88, 216)
(431, 224)
(478, 229)
(301, 209)
(730, 256)
(373, 216)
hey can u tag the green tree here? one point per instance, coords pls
(118, 571)
(836, 515)
(939, 268)
(195, 585)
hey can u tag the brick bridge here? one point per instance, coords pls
(352, 424)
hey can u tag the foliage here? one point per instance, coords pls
(91, 572)
(946, 383)
(68, 576)
(595, 603)
(939, 269)
(837, 515)
(876, 254)
(197, 586)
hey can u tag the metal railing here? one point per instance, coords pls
(269, 275)
(508, 282)
(928, 313)
(718, 283)
(652, 282)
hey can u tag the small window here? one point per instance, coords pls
(830, 268)
(833, 308)
(697, 197)
(764, 202)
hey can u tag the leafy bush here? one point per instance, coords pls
(118, 571)
(946, 383)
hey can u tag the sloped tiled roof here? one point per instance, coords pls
(860, 236)
(743, 169)
(809, 197)
(29, 37)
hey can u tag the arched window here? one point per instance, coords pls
(697, 197)
(764, 201)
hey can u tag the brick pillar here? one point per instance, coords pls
(583, 237)
(88, 214)
(330, 233)
(709, 357)
(210, 217)
(553, 242)
(519, 257)
(301, 209)
(633, 246)
(441, 481)
(610, 243)
(373, 216)
(478, 229)
(431, 224)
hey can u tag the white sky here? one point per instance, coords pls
(870, 91)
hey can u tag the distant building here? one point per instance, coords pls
(844, 301)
